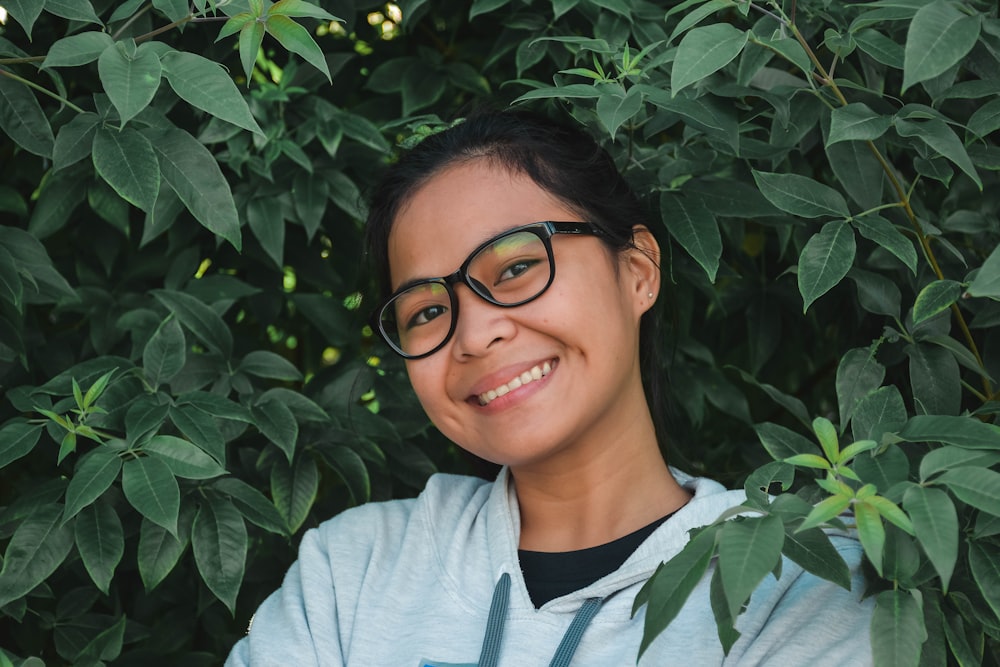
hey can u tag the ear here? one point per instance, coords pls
(641, 268)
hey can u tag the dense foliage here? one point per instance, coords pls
(188, 379)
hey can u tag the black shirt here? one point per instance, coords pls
(549, 575)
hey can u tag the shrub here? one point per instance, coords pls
(189, 382)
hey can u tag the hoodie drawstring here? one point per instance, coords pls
(570, 640)
(490, 655)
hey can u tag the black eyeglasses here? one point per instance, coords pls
(508, 270)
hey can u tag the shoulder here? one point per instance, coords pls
(379, 525)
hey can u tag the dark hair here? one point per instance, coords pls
(562, 160)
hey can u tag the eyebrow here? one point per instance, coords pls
(412, 282)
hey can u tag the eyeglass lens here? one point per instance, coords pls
(513, 269)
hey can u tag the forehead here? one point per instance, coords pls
(459, 208)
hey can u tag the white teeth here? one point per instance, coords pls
(536, 373)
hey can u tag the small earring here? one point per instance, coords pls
(650, 295)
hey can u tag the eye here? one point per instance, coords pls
(517, 268)
(426, 315)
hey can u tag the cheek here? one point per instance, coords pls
(428, 381)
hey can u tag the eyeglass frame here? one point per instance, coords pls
(543, 229)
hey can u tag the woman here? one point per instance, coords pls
(528, 352)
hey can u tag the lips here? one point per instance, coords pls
(531, 375)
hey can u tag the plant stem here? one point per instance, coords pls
(32, 84)
(904, 201)
(20, 61)
(132, 19)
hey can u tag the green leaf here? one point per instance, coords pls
(145, 415)
(987, 281)
(75, 140)
(858, 375)
(17, 439)
(183, 458)
(749, 549)
(39, 545)
(937, 296)
(255, 508)
(782, 443)
(200, 429)
(704, 51)
(265, 364)
(219, 541)
(24, 12)
(825, 260)
(215, 405)
(151, 488)
(827, 436)
(22, 118)
(696, 15)
(351, 469)
(175, 10)
(690, 222)
(883, 49)
(485, 7)
(74, 10)
(96, 472)
(100, 541)
(77, 49)
(159, 551)
(942, 139)
(871, 532)
(310, 194)
(825, 510)
(881, 231)
(665, 593)
(125, 159)
(790, 403)
(974, 486)
(165, 353)
(130, 75)
(300, 8)
(294, 490)
(939, 36)
(934, 379)
(278, 425)
(876, 293)
(985, 566)
(193, 173)
(251, 38)
(986, 119)
(205, 85)
(616, 107)
(800, 195)
(898, 625)
(948, 457)
(812, 550)
(268, 226)
(297, 39)
(724, 622)
(935, 524)
(199, 319)
(856, 122)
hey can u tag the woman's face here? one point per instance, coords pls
(537, 383)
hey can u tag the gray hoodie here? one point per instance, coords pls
(434, 582)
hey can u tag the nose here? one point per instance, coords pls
(480, 326)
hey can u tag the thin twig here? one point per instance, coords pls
(132, 19)
(32, 84)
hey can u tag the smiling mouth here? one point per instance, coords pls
(528, 376)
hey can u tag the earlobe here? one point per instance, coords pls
(644, 267)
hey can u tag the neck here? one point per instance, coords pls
(612, 490)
